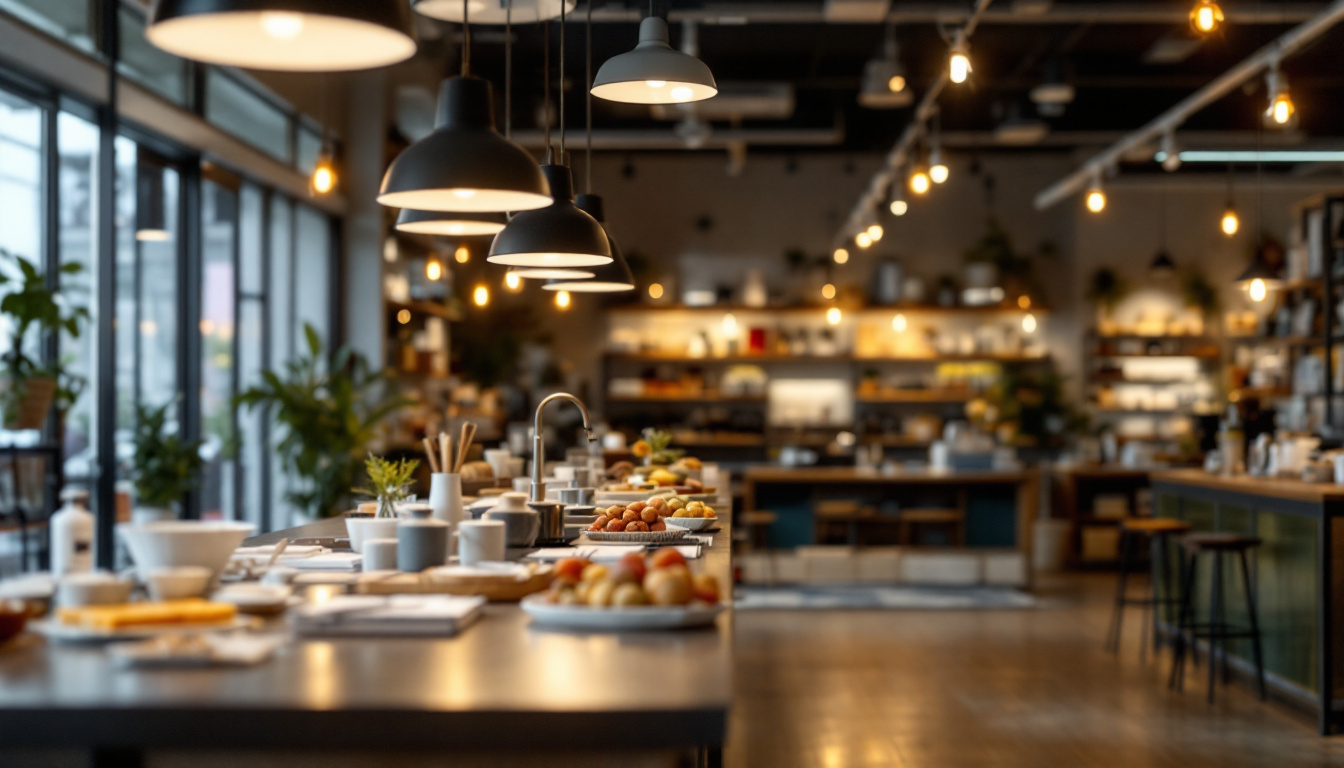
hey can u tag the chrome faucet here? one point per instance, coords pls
(539, 447)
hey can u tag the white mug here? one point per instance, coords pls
(480, 541)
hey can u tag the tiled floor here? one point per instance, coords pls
(1017, 689)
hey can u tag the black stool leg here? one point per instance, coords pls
(1216, 620)
(1183, 621)
(1255, 624)
(1162, 576)
(1118, 611)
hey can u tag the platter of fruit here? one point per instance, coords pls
(654, 520)
(637, 593)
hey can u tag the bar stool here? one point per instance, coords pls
(1158, 531)
(1216, 630)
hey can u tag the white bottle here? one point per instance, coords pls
(72, 530)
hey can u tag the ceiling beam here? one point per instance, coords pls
(734, 13)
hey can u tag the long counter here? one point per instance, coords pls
(501, 689)
(1297, 572)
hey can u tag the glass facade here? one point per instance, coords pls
(237, 109)
(69, 20)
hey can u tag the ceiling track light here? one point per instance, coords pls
(898, 206)
(1096, 196)
(1230, 222)
(938, 171)
(959, 59)
(285, 35)
(151, 212)
(1259, 278)
(1280, 112)
(884, 84)
(1171, 155)
(1206, 17)
(919, 181)
(654, 72)
(465, 164)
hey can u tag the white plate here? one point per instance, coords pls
(690, 523)
(630, 619)
(656, 537)
(56, 631)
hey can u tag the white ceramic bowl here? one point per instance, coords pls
(361, 529)
(205, 543)
(691, 523)
(178, 582)
(94, 588)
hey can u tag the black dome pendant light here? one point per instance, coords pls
(559, 235)
(285, 35)
(654, 72)
(465, 164)
(616, 276)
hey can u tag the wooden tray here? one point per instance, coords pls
(496, 589)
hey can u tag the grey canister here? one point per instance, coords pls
(421, 544)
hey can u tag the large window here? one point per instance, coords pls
(77, 140)
(232, 106)
(70, 20)
(21, 186)
(219, 240)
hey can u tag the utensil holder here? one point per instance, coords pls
(445, 497)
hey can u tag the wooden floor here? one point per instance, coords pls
(990, 689)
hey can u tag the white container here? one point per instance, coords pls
(498, 459)
(362, 529)
(206, 543)
(178, 582)
(72, 536)
(480, 541)
(445, 498)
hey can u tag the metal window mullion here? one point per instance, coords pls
(106, 348)
(188, 345)
(234, 425)
(266, 520)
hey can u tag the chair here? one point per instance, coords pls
(1156, 604)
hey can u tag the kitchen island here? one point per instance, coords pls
(1296, 573)
(500, 692)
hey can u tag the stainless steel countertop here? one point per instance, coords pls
(499, 684)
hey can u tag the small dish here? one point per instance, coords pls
(255, 599)
(613, 619)
(75, 590)
(177, 582)
(651, 537)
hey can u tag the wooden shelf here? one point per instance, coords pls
(709, 397)
(917, 396)
(1279, 341)
(841, 358)
(821, 308)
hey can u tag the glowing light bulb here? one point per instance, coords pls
(1258, 290)
(682, 93)
(655, 291)
(938, 172)
(1230, 223)
(730, 325)
(433, 269)
(1281, 109)
(1028, 323)
(876, 232)
(899, 207)
(919, 182)
(863, 240)
(898, 323)
(828, 291)
(656, 83)
(481, 296)
(833, 316)
(896, 84)
(282, 25)
(404, 316)
(841, 255)
(562, 299)
(512, 281)
(959, 63)
(464, 194)
(1024, 301)
(324, 177)
(1096, 200)
(1205, 17)
(462, 255)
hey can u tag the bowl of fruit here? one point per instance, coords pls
(691, 515)
(638, 521)
(637, 593)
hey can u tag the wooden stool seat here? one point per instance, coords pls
(1220, 542)
(1155, 526)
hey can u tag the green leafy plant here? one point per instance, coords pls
(330, 414)
(1106, 289)
(166, 467)
(1031, 408)
(35, 307)
(389, 481)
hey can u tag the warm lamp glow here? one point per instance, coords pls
(1096, 200)
(282, 25)
(1024, 301)
(655, 291)
(938, 172)
(433, 269)
(323, 181)
(1230, 223)
(919, 182)
(959, 62)
(1205, 17)
(562, 299)
(512, 281)
(875, 232)
(730, 325)
(899, 207)
(481, 296)
(1028, 323)
(841, 255)
(404, 316)
(896, 84)
(1281, 109)
(833, 315)
(462, 255)
(898, 323)
(863, 240)
(1258, 290)
(828, 291)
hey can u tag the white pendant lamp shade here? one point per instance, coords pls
(559, 235)
(492, 11)
(554, 273)
(609, 278)
(449, 224)
(286, 35)
(465, 164)
(654, 72)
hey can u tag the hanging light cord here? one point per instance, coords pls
(561, 94)
(466, 39)
(588, 107)
(546, 77)
(1162, 218)
(508, 69)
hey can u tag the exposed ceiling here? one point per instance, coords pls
(1128, 61)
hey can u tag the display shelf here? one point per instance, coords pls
(707, 397)
(821, 308)
(916, 396)
(1278, 341)
(995, 357)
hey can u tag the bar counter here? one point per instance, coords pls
(500, 689)
(1296, 573)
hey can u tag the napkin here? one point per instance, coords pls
(396, 615)
(605, 552)
(331, 561)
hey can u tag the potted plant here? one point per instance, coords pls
(330, 413)
(389, 483)
(992, 261)
(29, 386)
(166, 467)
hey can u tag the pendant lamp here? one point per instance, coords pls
(554, 273)
(559, 235)
(285, 35)
(465, 164)
(449, 224)
(492, 11)
(654, 72)
(609, 278)
(1259, 270)
(151, 212)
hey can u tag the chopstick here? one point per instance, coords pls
(445, 453)
(429, 452)
(464, 444)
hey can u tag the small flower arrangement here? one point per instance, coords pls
(390, 482)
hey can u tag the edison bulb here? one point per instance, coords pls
(899, 207)
(1230, 223)
(958, 66)
(1028, 323)
(462, 254)
(1024, 301)
(512, 281)
(841, 255)
(828, 291)
(898, 323)
(833, 315)
(1258, 290)
(324, 177)
(433, 269)
(481, 296)
(404, 316)
(876, 232)
(939, 173)
(655, 291)
(919, 182)
(863, 240)
(896, 84)
(1281, 109)
(282, 25)
(1096, 200)
(1205, 16)
(562, 299)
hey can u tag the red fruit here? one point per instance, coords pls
(634, 563)
(666, 557)
(570, 568)
(705, 587)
